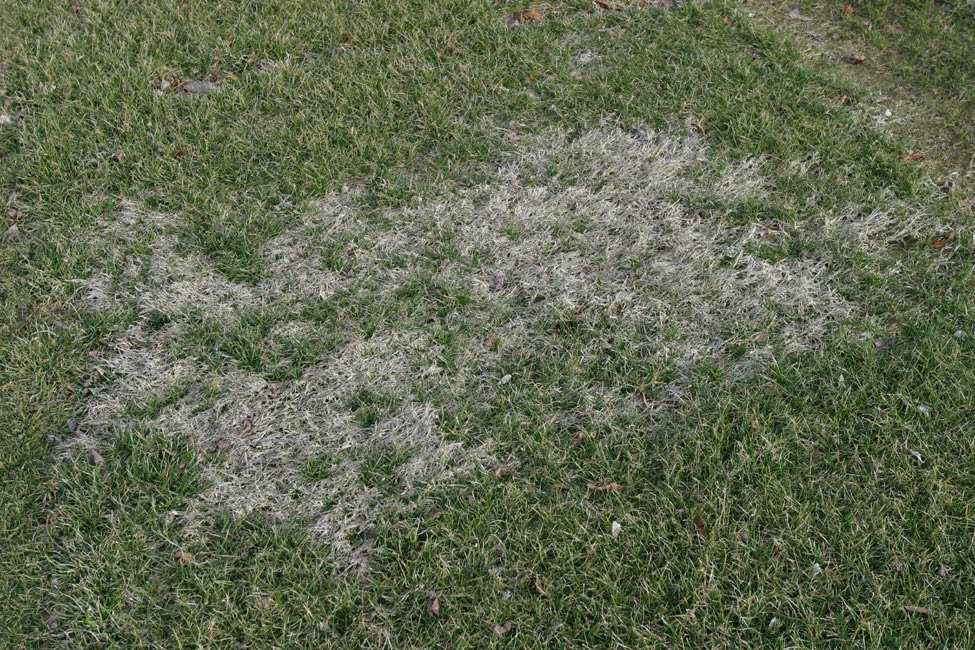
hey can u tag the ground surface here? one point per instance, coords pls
(462, 324)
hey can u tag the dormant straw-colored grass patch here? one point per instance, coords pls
(592, 226)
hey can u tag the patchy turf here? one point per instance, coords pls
(419, 325)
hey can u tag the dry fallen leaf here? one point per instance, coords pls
(795, 14)
(843, 101)
(949, 187)
(96, 458)
(943, 571)
(198, 87)
(552, 632)
(538, 585)
(530, 16)
(848, 9)
(855, 60)
(609, 487)
(433, 606)
(915, 157)
(248, 427)
(702, 530)
(943, 241)
(658, 4)
(501, 630)
(917, 609)
(700, 130)
(11, 233)
(609, 6)
(184, 557)
(885, 344)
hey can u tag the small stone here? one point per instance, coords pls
(616, 529)
(11, 233)
(887, 113)
(6, 119)
(960, 334)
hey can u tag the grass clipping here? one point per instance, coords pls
(587, 226)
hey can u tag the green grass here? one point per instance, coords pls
(818, 498)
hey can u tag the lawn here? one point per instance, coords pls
(476, 324)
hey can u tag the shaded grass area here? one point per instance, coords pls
(817, 524)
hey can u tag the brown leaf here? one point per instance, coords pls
(658, 4)
(943, 571)
(96, 458)
(223, 445)
(609, 487)
(944, 241)
(699, 129)
(885, 344)
(609, 6)
(248, 427)
(433, 606)
(184, 557)
(726, 20)
(915, 157)
(702, 530)
(848, 9)
(501, 630)
(10, 234)
(499, 283)
(530, 16)
(538, 585)
(917, 609)
(855, 60)
(552, 632)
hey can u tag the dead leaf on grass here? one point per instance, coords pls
(184, 557)
(855, 60)
(943, 241)
(658, 4)
(944, 570)
(11, 234)
(917, 609)
(500, 629)
(552, 632)
(915, 157)
(608, 487)
(698, 128)
(96, 458)
(795, 14)
(433, 606)
(848, 9)
(526, 17)
(201, 87)
(885, 344)
(538, 585)
(248, 427)
(702, 530)
(609, 6)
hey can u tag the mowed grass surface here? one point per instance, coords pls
(825, 501)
